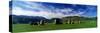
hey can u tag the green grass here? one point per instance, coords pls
(28, 28)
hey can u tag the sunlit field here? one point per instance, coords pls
(29, 28)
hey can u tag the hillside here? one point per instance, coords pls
(27, 19)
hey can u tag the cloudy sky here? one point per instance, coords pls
(52, 10)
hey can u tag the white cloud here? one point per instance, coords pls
(44, 11)
(46, 14)
(19, 11)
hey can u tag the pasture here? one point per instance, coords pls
(29, 28)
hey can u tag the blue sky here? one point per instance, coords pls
(52, 10)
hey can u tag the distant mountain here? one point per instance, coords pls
(25, 19)
(83, 18)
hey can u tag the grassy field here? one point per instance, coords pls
(28, 28)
